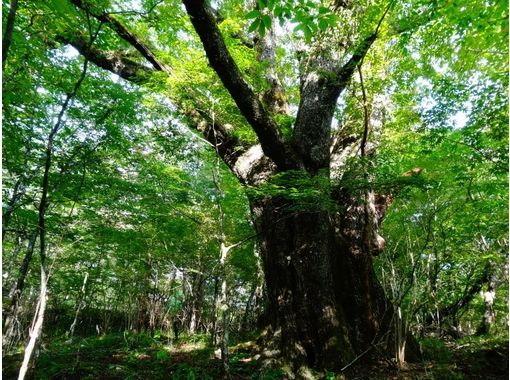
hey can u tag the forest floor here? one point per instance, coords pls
(132, 356)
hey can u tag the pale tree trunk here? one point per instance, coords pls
(259, 290)
(488, 316)
(193, 321)
(214, 330)
(196, 299)
(193, 290)
(80, 304)
(224, 311)
(488, 297)
(37, 324)
(400, 338)
(223, 301)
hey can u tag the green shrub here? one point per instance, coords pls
(435, 350)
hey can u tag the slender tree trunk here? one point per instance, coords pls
(488, 316)
(143, 296)
(254, 301)
(36, 330)
(224, 311)
(9, 27)
(260, 293)
(17, 193)
(214, 332)
(80, 304)
(11, 320)
(223, 306)
(43, 207)
(195, 297)
(248, 309)
(37, 324)
(400, 338)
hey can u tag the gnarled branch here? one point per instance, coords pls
(125, 34)
(265, 127)
(114, 62)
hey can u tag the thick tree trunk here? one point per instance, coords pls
(325, 304)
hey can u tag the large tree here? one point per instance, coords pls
(276, 116)
(325, 305)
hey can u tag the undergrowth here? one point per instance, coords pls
(141, 356)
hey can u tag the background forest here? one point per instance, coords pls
(125, 228)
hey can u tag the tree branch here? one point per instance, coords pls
(219, 135)
(366, 124)
(9, 27)
(320, 89)
(114, 62)
(125, 34)
(230, 147)
(272, 142)
(347, 70)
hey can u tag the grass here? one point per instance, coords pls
(140, 356)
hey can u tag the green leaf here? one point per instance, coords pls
(262, 29)
(324, 10)
(267, 21)
(262, 3)
(308, 32)
(323, 24)
(252, 14)
(299, 17)
(298, 27)
(254, 25)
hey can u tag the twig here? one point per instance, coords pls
(357, 358)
